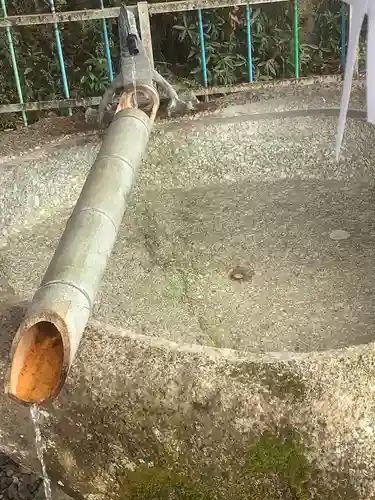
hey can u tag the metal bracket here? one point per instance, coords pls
(145, 28)
(135, 66)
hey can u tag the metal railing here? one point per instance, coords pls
(144, 11)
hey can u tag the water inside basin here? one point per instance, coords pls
(240, 234)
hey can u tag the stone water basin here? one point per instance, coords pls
(240, 234)
(230, 354)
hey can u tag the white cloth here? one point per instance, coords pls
(359, 9)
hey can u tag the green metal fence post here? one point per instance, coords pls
(14, 61)
(296, 37)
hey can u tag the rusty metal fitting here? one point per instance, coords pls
(143, 96)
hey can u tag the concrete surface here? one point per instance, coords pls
(246, 250)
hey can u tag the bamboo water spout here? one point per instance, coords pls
(48, 338)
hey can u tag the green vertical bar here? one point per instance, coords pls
(296, 37)
(14, 61)
(60, 56)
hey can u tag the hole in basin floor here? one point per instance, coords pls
(168, 274)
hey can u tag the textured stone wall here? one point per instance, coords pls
(142, 418)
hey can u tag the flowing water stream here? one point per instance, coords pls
(40, 448)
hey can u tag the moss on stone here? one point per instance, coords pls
(279, 378)
(284, 457)
(275, 467)
(174, 289)
(284, 382)
(275, 463)
(157, 483)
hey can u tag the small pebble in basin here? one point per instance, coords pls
(339, 234)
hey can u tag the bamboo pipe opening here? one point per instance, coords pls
(37, 364)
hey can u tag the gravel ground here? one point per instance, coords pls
(16, 483)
